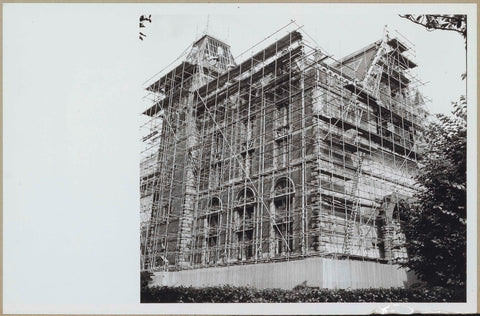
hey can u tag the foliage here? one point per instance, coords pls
(143, 19)
(145, 279)
(231, 294)
(449, 22)
(435, 225)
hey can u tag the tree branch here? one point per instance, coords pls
(432, 22)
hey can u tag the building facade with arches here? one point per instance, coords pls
(287, 155)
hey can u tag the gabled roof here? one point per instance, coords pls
(356, 65)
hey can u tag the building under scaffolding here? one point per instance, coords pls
(288, 155)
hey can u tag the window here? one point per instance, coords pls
(147, 186)
(282, 206)
(245, 217)
(247, 163)
(215, 204)
(245, 239)
(213, 230)
(218, 146)
(247, 146)
(215, 175)
(245, 196)
(164, 212)
(281, 153)
(282, 115)
(283, 226)
(281, 135)
(212, 222)
(244, 223)
(283, 238)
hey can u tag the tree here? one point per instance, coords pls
(435, 224)
(143, 19)
(145, 279)
(448, 22)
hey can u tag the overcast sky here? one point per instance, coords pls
(340, 30)
(72, 95)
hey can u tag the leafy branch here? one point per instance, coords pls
(143, 19)
(453, 22)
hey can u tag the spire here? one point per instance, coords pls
(208, 24)
(386, 34)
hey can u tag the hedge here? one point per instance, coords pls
(232, 294)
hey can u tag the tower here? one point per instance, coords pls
(169, 175)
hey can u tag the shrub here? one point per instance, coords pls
(145, 278)
(232, 294)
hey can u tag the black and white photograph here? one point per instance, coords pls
(240, 153)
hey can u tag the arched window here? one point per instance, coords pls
(284, 191)
(245, 196)
(284, 186)
(214, 205)
(244, 223)
(213, 221)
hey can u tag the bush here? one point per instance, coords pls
(232, 294)
(435, 223)
(145, 279)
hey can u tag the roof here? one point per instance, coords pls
(356, 65)
(184, 70)
(249, 63)
(209, 36)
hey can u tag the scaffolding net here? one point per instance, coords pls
(288, 154)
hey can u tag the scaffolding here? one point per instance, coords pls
(288, 154)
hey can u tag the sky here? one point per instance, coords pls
(73, 79)
(340, 30)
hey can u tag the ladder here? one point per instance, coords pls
(372, 79)
(350, 221)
